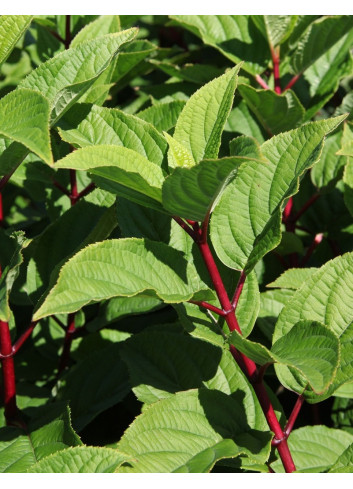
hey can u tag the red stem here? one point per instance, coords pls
(8, 373)
(262, 82)
(316, 241)
(23, 337)
(86, 191)
(293, 416)
(67, 32)
(238, 290)
(208, 306)
(5, 179)
(276, 74)
(74, 192)
(57, 36)
(65, 355)
(185, 226)
(305, 207)
(292, 81)
(61, 188)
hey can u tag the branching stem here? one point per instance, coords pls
(293, 416)
(262, 82)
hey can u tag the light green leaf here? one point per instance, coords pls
(242, 121)
(324, 297)
(162, 363)
(195, 73)
(105, 24)
(190, 431)
(330, 166)
(124, 267)
(12, 27)
(88, 395)
(163, 116)
(271, 304)
(309, 347)
(20, 450)
(293, 278)
(86, 125)
(276, 28)
(318, 38)
(193, 192)
(10, 273)
(235, 36)
(246, 222)
(178, 155)
(347, 140)
(24, 117)
(315, 448)
(201, 122)
(81, 460)
(125, 167)
(65, 77)
(344, 463)
(277, 113)
(247, 147)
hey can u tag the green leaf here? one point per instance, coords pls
(271, 304)
(24, 117)
(86, 125)
(88, 395)
(122, 166)
(195, 73)
(105, 24)
(246, 147)
(293, 278)
(66, 76)
(10, 273)
(190, 431)
(318, 38)
(330, 166)
(246, 222)
(235, 36)
(12, 27)
(193, 192)
(276, 28)
(277, 113)
(315, 448)
(242, 121)
(20, 450)
(178, 155)
(201, 122)
(344, 463)
(124, 267)
(348, 185)
(347, 140)
(309, 347)
(163, 363)
(163, 116)
(324, 297)
(81, 460)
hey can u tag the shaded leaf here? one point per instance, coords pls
(12, 27)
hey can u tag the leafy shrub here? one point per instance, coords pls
(176, 233)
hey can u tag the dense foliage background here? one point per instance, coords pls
(83, 377)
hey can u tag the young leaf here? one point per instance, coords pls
(205, 418)
(235, 36)
(64, 78)
(86, 125)
(105, 24)
(246, 223)
(24, 117)
(277, 113)
(81, 460)
(276, 28)
(162, 116)
(124, 267)
(20, 450)
(201, 122)
(293, 278)
(120, 165)
(329, 443)
(324, 297)
(309, 347)
(178, 155)
(12, 27)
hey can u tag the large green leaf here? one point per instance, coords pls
(10, 273)
(124, 267)
(89, 394)
(277, 113)
(344, 463)
(315, 448)
(293, 278)
(246, 222)
(193, 192)
(201, 122)
(309, 347)
(276, 28)
(330, 166)
(12, 28)
(190, 431)
(163, 116)
(20, 450)
(235, 36)
(241, 120)
(86, 125)
(105, 24)
(195, 73)
(126, 168)
(324, 297)
(319, 37)
(81, 460)
(66, 76)
(163, 363)
(24, 117)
